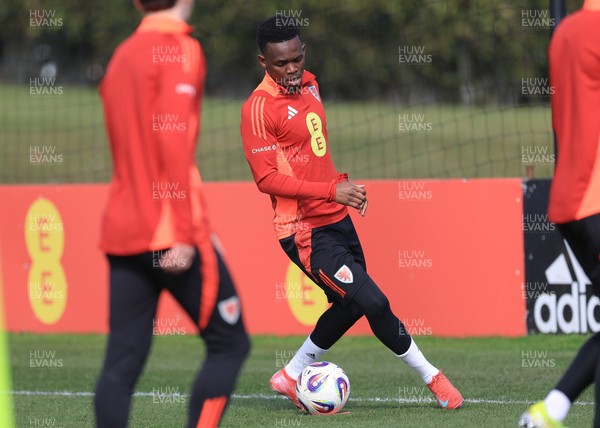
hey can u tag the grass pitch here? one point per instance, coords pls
(498, 377)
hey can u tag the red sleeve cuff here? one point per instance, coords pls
(332, 191)
(333, 186)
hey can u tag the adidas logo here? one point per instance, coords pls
(291, 112)
(311, 355)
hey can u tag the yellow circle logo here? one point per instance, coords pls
(47, 292)
(317, 138)
(45, 239)
(306, 300)
(44, 235)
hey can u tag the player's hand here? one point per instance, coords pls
(351, 195)
(178, 258)
(362, 209)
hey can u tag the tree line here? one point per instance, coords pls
(467, 51)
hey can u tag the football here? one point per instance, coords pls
(323, 388)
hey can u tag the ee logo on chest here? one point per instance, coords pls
(317, 138)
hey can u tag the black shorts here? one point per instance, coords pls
(205, 292)
(332, 257)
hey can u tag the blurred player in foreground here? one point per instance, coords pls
(155, 231)
(285, 139)
(574, 56)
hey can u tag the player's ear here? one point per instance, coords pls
(262, 60)
(303, 48)
(138, 5)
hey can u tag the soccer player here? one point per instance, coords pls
(284, 133)
(574, 58)
(155, 231)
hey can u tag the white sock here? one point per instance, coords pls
(307, 354)
(416, 360)
(557, 405)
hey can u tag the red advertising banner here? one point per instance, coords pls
(448, 254)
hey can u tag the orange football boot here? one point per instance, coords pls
(445, 393)
(282, 383)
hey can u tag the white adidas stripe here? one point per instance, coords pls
(292, 112)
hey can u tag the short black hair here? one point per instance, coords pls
(273, 30)
(156, 5)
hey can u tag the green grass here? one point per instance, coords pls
(365, 138)
(482, 368)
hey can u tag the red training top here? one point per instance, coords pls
(151, 94)
(574, 56)
(285, 140)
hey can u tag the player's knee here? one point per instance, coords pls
(354, 311)
(112, 379)
(378, 305)
(233, 346)
(242, 346)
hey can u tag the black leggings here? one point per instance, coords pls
(583, 236)
(333, 257)
(370, 301)
(135, 285)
